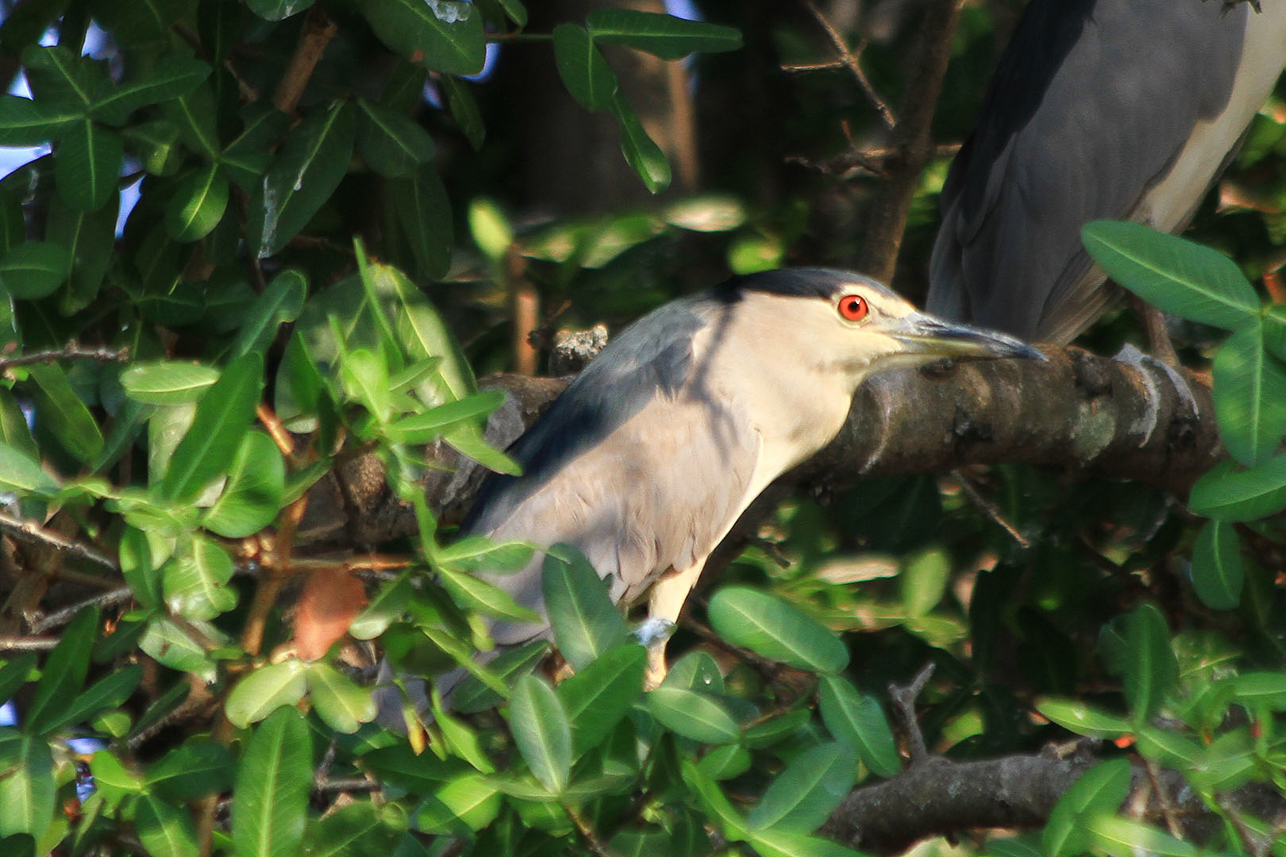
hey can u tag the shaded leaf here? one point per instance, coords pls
(35, 269)
(1235, 495)
(641, 152)
(1249, 396)
(541, 731)
(584, 620)
(196, 769)
(278, 10)
(859, 720)
(197, 205)
(599, 696)
(1101, 789)
(27, 790)
(171, 77)
(357, 830)
(1217, 573)
(270, 799)
(665, 36)
(392, 144)
(164, 829)
(63, 674)
(444, 36)
(61, 410)
(87, 164)
(803, 796)
(582, 67)
(1151, 669)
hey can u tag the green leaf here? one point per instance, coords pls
(280, 303)
(1217, 573)
(581, 613)
(714, 802)
(90, 238)
(208, 447)
(35, 269)
(24, 122)
(64, 414)
(341, 704)
(477, 594)
(423, 213)
(175, 648)
(1275, 331)
(803, 796)
(859, 720)
(164, 829)
(1178, 276)
(167, 383)
(665, 36)
(357, 830)
(270, 800)
(1249, 396)
(790, 843)
(444, 36)
(16, 673)
(400, 766)
(197, 205)
(466, 802)
(641, 152)
(170, 78)
(27, 790)
(1082, 719)
(1240, 495)
(108, 692)
(584, 70)
(464, 110)
(1151, 669)
(541, 731)
(22, 474)
(306, 171)
(392, 144)
(253, 494)
(63, 673)
(923, 580)
(1126, 837)
(772, 628)
(57, 75)
(691, 714)
(278, 10)
(87, 164)
(428, 426)
(13, 429)
(467, 440)
(194, 770)
(265, 690)
(1101, 789)
(194, 115)
(195, 581)
(472, 694)
(598, 697)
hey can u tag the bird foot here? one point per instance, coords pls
(654, 633)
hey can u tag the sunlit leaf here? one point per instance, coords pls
(541, 731)
(692, 714)
(265, 690)
(270, 799)
(341, 704)
(772, 628)
(585, 621)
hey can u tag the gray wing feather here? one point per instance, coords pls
(1051, 152)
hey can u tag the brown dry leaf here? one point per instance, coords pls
(332, 598)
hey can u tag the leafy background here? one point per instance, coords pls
(192, 337)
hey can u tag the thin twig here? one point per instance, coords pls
(34, 533)
(71, 351)
(991, 511)
(904, 698)
(318, 30)
(16, 643)
(276, 430)
(61, 617)
(849, 59)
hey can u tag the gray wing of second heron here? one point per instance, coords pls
(1090, 104)
(635, 465)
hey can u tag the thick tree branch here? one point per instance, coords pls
(1078, 413)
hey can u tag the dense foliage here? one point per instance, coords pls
(177, 383)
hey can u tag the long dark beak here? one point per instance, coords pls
(931, 337)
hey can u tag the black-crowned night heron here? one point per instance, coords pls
(1121, 109)
(647, 460)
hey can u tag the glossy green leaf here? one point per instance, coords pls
(692, 714)
(726, 762)
(172, 646)
(1257, 689)
(194, 115)
(278, 10)
(280, 303)
(64, 672)
(1235, 495)
(585, 621)
(1101, 789)
(221, 419)
(423, 213)
(357, 830)
(270, 799)
(167, 382)
(1168, 748)
(859, 720)
(473, 695)
(197, 205)
(90, 238)
(194, 582)
(56, 75)
(467, 440)
(665, 36)
(24, 122)
(541, 731)
(772, 628)
(265, 690)
(717, 806)
(1151, 669)
(35, 269)
(14, 432)
(444, 36)
(305, 172)
(464, 803)
(1249, 396)
(164, 829)
(87, 164)
(791, 843)
(1275, 331)
(641, 152)
(170, 78)
(1217, 572)
(193, 770)
(16, 673)
(803, 796)
(582, 67)
(696, 671)
(61, 410)
(477, 553)
(486, 598)
(341, 704)
(27, 789)
(1180, 277)
(253, 494)
(108, 692)
(391, 143)
(428, 426)
(22, 474)
(399, 765)
(1082, 719)
(1126, 837)
(598, 697)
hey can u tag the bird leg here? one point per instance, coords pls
(665, 602)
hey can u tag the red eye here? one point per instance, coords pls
(853, 307)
